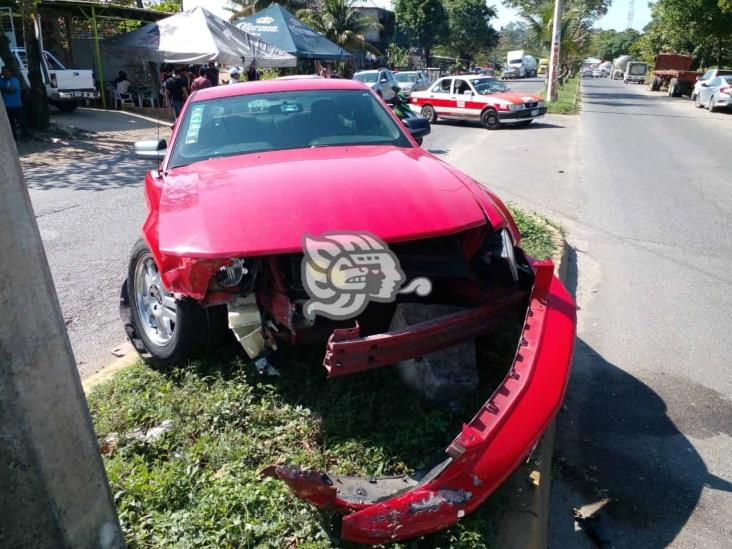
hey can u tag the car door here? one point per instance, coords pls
(706, 91)
(461, 96)
(439, 97)
(704, 79)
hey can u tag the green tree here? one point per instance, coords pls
(423, 23)
(698, 27)
(342, 24)
(610, 44)
(397, 56)
(165, 6)
(40, 116)
(243, 8)
(469, 28)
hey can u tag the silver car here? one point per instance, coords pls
(382, 81)
(706, 78)
(715, 94)
(411, 81)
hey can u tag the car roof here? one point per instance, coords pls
(274, 86)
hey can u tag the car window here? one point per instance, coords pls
(486, 85)
(727, 79)
(251, 123)
(707, 75)
(460, 86)
(406, 77)
(367, 77)
(715, 81)
(443, 86)
(53, 63)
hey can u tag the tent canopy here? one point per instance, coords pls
(279, 27)
(196, 36)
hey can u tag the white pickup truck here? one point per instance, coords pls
(64, 87)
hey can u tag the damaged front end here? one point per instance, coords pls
(489, 447)
(479, 279)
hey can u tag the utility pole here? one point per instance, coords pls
(53, 488)
(552, 77)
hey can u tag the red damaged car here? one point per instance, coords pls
(302, 211)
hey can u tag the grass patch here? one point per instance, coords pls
(565, 103)
(537, 233)
(198, 485)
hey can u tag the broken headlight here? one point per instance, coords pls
(497, 258)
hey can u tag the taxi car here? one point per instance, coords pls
(477, 98)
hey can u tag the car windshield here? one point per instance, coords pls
(485, 86)
(406, 76)
(251, 123)
(637, 70)
(368, 77)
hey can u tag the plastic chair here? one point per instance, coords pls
(122, 99)
(147, 95)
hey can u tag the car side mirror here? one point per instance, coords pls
(151, 148)
(705, 85)
(418, 126)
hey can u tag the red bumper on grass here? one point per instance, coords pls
(488, 449)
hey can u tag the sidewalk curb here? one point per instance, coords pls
(108, 371)
(524, 523)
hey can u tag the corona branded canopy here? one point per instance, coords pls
(197, 36)
(280, 28)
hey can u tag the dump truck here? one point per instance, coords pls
(672, 73)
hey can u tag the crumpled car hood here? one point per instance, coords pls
(264, 203)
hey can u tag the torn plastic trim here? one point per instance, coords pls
(487, 450)
(348, 353)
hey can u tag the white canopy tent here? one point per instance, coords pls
(193, 37)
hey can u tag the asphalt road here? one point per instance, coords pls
(87, 197)
(642, 184)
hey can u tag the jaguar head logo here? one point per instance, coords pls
(342, 272)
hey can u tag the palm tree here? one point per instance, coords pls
(342, 24)
(243, 8)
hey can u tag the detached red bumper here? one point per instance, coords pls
(488, 449)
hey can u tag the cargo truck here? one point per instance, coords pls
(671, 72)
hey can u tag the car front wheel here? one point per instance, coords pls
(712, 108)
(490, 119)
(697, 100)
(163, 329)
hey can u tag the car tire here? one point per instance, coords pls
(489, 119)
(656, 84)
(187, 329)
(673, 88)
(66, 106)
(697, 100)
(428, 112)
(712, 108)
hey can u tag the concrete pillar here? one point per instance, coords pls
(53, 488)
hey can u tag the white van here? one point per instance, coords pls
(64, 87)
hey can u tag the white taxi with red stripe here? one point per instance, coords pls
(477, 98)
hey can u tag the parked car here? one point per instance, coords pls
(382, 81)
(65, 88)
(597, 73)
(254, 211)
(706, 78)
(411, 81)
(587, 73)
(715, 93)
(479, 98)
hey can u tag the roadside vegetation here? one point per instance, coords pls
(568, 98)
(196, 482)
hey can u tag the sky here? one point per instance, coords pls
(616, 18)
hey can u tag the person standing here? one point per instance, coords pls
(212, 73)
(234, 75)
(201, 82)
(176, 91)
(252, 73)
(10, 89)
